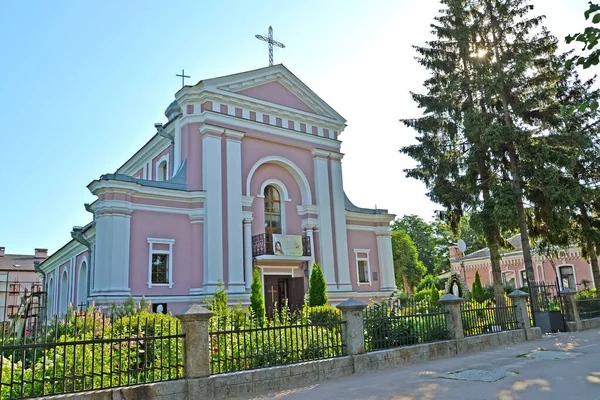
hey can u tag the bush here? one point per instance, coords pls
(317, 290)
(257, 302)
(434, 296)
(428, 280)
(422, 295)
(478, 294)
(320, 315)
(586, 294)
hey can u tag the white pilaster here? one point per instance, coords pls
(248, 251)
(235, 266)
(339, 222)
(324, 206)
(176, 147)
(309, 233)
(386, 261)
(213, 220)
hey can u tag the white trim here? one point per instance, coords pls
(235, 256)
(282, 258)
(560, 275)
(292, 168)
(158, 175)
(51, 290)
(149, 151)
(364, 217)
(357, 259)
(339, 223)
(63, 292)
(361, 228)
(151, 252)
(277, 184)
(98, 187)
(521, 277)
(506, 271)
(323, 200)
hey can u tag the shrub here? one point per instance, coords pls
(434, 296)
(429, 280)
(422, 295)
(586, 294)
(257, 302)
(320, 315)
(317, 290)
(219, 302)
(478, 294)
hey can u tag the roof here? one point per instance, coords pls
(24, 262)
(351, 207)
(515, 241)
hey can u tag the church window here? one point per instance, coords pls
(162, 172)
(160, 265)
(363, 269)
(272, 214)
(523, 277)
(567, 277)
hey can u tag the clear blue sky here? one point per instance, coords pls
(82, 84)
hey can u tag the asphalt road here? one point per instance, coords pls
(567, 367)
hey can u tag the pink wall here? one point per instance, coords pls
(276, 93)
(155, 160)
(191, 149)
(187, 271)
(272, 171)
(363, 240)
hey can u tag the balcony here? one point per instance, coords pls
(262, 245)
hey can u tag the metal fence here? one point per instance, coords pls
(239, 342)
(588, 308)
(488, 317)
(87, 351)
(403, 323)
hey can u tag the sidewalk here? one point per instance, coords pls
(568, 367)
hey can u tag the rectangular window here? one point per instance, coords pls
(523, 278)
(160, 268)
(14, 288)
(363, 270)
(160, 262)
(12, 310)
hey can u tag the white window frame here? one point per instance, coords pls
(283, 198)
(560, 277)
(79, 300)
(164, 159)
(63, 292)
(151, 242)
(521, 276)
(357, 258)
(506, 272)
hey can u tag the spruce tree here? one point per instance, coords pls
(257, 302)
(477, 289)
(317, 289)
(434, 296)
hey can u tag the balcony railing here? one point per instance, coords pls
(262, 245)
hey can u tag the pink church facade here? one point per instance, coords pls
(244, 163)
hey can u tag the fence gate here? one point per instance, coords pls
(547, 306)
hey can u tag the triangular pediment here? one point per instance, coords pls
(275, 85)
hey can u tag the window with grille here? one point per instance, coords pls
(160, 268)
(272, 214)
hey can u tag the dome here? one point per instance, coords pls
(173, 110)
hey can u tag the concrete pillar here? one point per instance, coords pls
(339, 222)
(571, 311)
(386, 260)
(519, 300)
(248, 251)
(454, 324)
(353, 331)
(196, 353)
(233, 177)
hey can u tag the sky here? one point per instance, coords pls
(82, 84)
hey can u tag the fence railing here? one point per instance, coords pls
(488, 317)
(239, 342)
(403, 323)
(588, 308)
(87, 351)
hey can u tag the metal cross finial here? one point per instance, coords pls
(183, 76)
(271, 42)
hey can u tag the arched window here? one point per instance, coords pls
(272, 214)
(50, 297)
(162, 171)
(64, 286)
(82, 284)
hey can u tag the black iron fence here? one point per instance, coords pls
(402, 323)
(87, 351)
(490, 316)
(240, 342)
(588, 308)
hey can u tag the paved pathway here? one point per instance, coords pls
(541, 375)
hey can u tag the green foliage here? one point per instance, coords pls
(429, 280)
(434, 296)
(422, 295)
(319, 315)
(218, 303)
(257, 302)
(127, 308)
(407, 266)
(477, 289)
(589, 38)
(586, 294)
(317, 290)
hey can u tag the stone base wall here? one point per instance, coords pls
(290, 376)
(581, 325)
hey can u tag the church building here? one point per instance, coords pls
(246, 173)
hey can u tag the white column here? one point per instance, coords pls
(213, 223)
(339, 222)
(111, 272)
(248, 251)
(386, 261)
(176, 147)
(324, 207)
(309, 233)
(235, 247)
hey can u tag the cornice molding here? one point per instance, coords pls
(98, 187)
(364, 217)
(154, 147)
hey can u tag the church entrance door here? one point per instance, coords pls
(281, 290)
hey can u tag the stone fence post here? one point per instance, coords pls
(571, 311)
(353, 331)
(519, 300)
(454, 324)
(196, 353)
